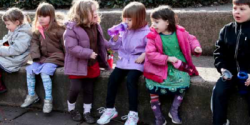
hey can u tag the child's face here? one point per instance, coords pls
(11, 26)
(94, 13)
(241, 13)
(44, 20)
(160, 25)
(128, 21)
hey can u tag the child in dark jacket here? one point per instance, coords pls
(231, 56)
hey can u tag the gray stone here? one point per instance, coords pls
(8, 113)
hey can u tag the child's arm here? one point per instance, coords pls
(35, 47)
(115, 43)
(220, 52)
(153, 55)
(194, 44)
(72, 46)
(21, 44)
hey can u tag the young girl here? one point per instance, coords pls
(131, 47)
(167, 45)
(14, 48)
(47, 52)
(85, 53)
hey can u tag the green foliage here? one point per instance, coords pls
(32, 4)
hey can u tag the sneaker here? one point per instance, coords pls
(107, 115)
(47, 106)
(88, 118)
(227, 123)
(30, 100)
(75, 115)
(132, 118)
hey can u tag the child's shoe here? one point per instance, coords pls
(47, 106)
(30, 100)
(88, 118)
(132, 119)
(75, 115)
(159, 119)
(108, 114)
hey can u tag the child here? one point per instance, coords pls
(14, 48)
(85, 53)
(167, 45)
(47, 52)
(131, 47)
(231, 56)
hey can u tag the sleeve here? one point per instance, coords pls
(72, 46)
(21, 44)
(193, 43)
(153, 55)
(220, 51)
(115, 45)
(35, 47)
(60, 36)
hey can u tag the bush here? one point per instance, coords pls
(32, 4)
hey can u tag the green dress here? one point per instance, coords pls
(177, 81)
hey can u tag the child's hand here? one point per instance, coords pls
(247, 83)
(172, 59)
(93, 55)
(115, 38)
(140, 59)
(198, 50)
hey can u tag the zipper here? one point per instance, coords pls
(237, 49)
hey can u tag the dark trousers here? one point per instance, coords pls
(115, 79)
(76, 85)
(220, 96)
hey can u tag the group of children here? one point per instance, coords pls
(162, 53)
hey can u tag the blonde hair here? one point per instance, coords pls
(14, 14)
(137, 12)
(79, 12)
(46, 9)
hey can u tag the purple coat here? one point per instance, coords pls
(77, 46)
(130, 46)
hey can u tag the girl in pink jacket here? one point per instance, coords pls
(168, 63)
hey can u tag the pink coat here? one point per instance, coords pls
(156, 60)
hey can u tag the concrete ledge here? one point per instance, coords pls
(204, 25)
(194, 111)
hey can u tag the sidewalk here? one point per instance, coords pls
(28, 116)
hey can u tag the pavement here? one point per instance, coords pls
(30, 116)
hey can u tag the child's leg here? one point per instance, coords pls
(114, 80)
(74, 90)
(47, 84)
(31, 82)
(174, 113)
(156, 107)
(31, 97)
(2, 86)
(132, 86)
(220, 100)
(87, 86)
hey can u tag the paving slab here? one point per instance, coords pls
(10, 113)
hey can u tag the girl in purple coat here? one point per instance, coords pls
(85, 53)
(131, 49)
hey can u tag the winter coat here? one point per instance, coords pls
(14, 56)
(156, 60)
(232, 50)
(78, 50)
(50, 49)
